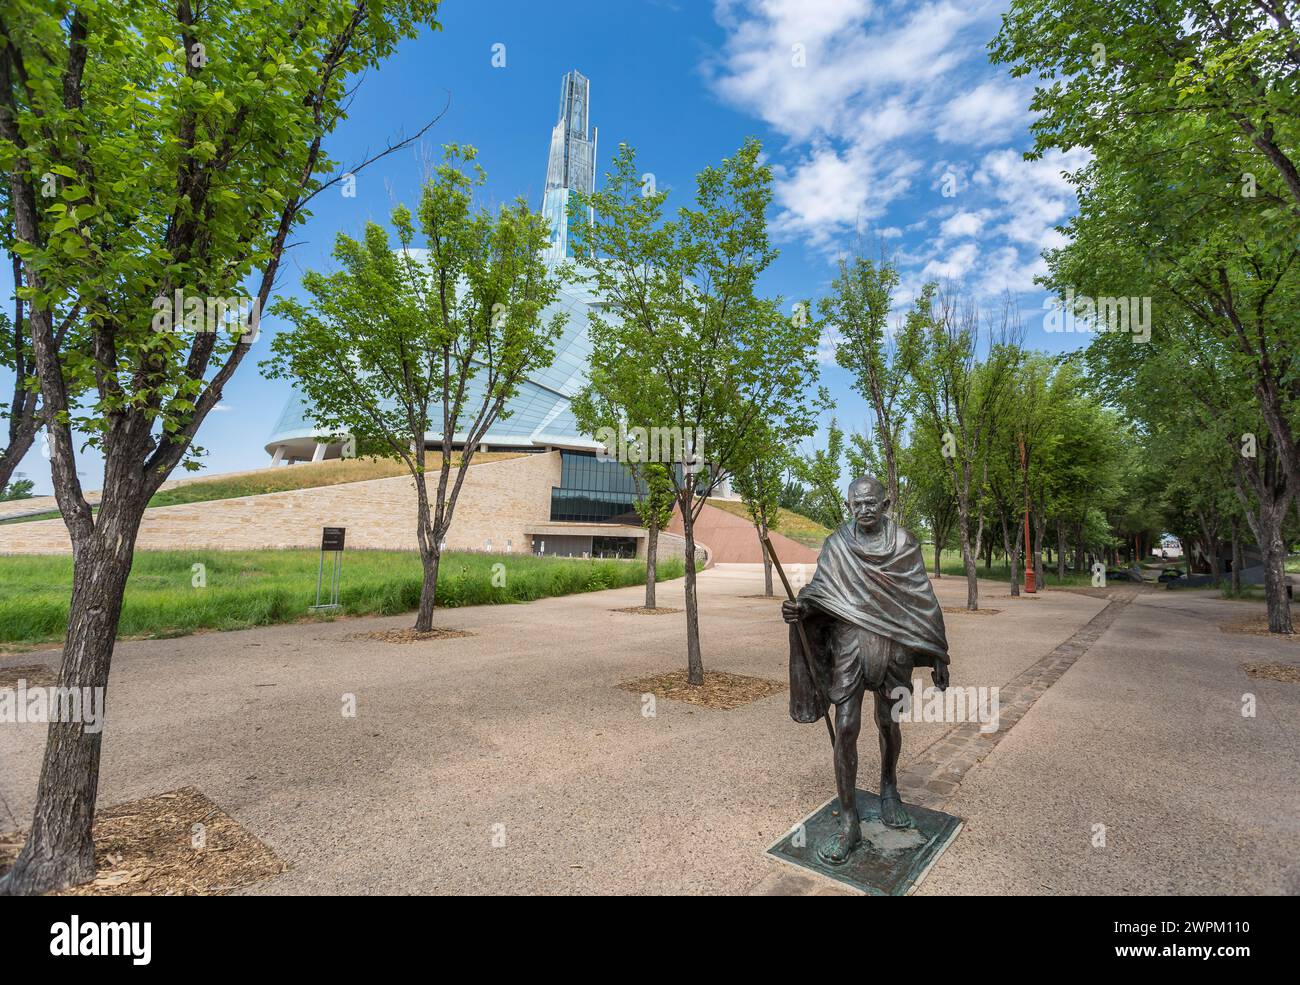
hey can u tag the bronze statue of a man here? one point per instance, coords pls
(870, 617)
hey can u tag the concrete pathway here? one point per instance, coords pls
(510, 761)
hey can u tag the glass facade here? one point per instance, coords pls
(592, 491)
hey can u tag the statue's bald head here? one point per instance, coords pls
(866, 484)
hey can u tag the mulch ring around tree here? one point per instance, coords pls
(962, 610)
(641, 610)
(172, 844)
(1266, 671)
(36, 675)
(721, 690)
(1256, 626)
(407, 635)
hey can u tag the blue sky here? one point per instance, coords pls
(867, 112)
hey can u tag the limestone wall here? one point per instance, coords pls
(497, 501)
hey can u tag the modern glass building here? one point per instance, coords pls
(539, 418)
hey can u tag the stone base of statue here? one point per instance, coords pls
(887, 862)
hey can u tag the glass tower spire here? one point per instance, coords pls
(572, 162)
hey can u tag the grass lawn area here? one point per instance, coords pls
(257, 588)
(950, 564)
(796, 526)
(305, 475)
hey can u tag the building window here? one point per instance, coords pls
(592, 491)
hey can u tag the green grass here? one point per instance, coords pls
(51, 515)
(796, 526)
(950, 564)
(259, 588)
(306, 475)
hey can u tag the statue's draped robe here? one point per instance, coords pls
(883, 589)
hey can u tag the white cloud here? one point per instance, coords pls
(829, 192)
(991, 112)
(963, 223)
(953, 267)
(880, 102)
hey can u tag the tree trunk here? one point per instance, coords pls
(651, 561)
(430, 558)
(59, 851)
(1279, 606)
(1060, 551)
(1272, 497)
(694, 661)
(20, 442)
(429, 538)
(1212, 552)
(1013, 557)
(767, 561)
(1237, 559)
(968, 559)
(938, 557)
(1040, 535)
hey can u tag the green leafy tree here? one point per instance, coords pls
(858, 308)
(821, 473)
(399, 344)
(759, 483)
(933, 501)
(685, 341)
(1223, 296)
(642, 458)
(1224, 72)
(1189, 113)
(655, 508)
(21, 489)
(959, 398)
(153, 153)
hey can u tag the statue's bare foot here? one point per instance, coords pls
(837, 848)
(892, 812)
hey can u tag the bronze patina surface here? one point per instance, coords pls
(864, 623)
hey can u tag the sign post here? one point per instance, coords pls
(331, 540)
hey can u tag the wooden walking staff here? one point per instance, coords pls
(803, 640)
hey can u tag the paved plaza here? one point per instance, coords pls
(509, 761)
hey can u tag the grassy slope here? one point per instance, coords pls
(254, 588)
(303, 476)
(796, 526)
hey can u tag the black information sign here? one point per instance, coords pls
(332, 538)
